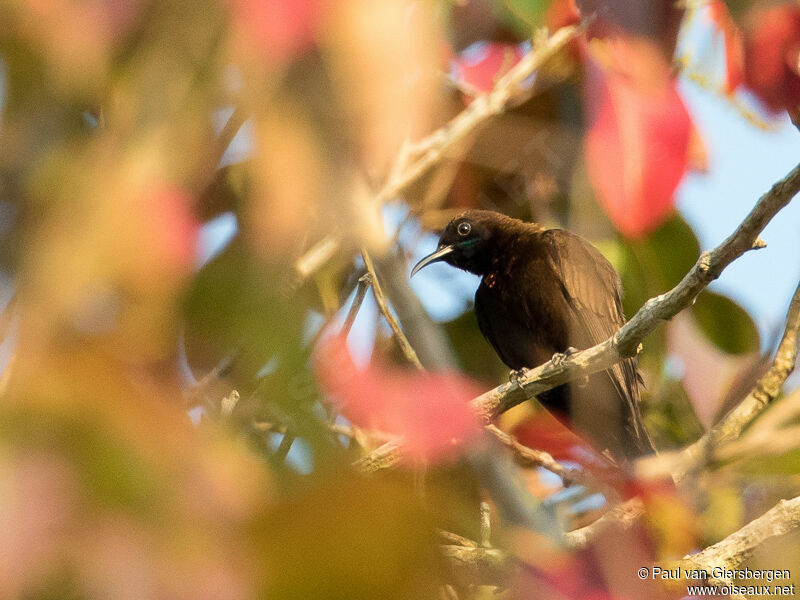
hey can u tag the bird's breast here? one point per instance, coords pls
(522, 316)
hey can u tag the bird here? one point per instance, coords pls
(544, 293)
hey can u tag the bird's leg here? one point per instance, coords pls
(560, 357)
(516, 374)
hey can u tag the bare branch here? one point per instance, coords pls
(769, 386)
(623, 516)
(383, 457)
(627, 340)
(486, 525)
(401, 338)
(539, 458)
(456, 540)
(361, 292)
(735, 550)
(477, 566)
(730, 554)
(661, 308)
(414, 160)
(691, 459)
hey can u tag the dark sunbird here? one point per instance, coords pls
(546, 292)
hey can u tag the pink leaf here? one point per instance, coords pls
(734, 51)
(771, 50)
(280, 29)
(428, 411)
(173, 227)
(637, 146)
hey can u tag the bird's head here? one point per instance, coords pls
(467, 241)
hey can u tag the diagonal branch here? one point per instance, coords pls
(364, 282)
(661, 308)
(511, 89)
(539, 458)
(734, 551)
(380, 298)
(723, 562)
(691, 459)
(627, 340)
(415, 160)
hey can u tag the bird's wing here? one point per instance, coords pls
(592, 287)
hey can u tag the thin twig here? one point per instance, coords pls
(380, 298)
(622, 516)
(478, 566)
(730, 554)
(361, 292)
(539, 458)
(232, 126)
(352, 433)
(769, 386)
(228, 404)
(486, 525)
(455, 539)
(383, 457)
(283, 448)
(509, 90)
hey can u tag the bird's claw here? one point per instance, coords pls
(560, 357)
(516, 374)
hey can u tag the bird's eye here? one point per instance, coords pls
(464, 228)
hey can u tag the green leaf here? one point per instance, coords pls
(522, 15)
(726, 323)
(475, 355)
(529, 11)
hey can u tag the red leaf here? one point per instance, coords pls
(483, 63)
(546, 432)
(637, 146)
(543, 431)
(173, 227)
(280, 29)
(771, 51)
(734, 50)
(428, 411)
(562, 13)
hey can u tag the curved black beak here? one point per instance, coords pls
(432, 258)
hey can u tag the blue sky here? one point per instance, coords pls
(744, 163)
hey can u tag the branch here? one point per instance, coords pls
(477, 566)
(626, 341)
(623, 516)
(414, 160)
(769, 386)
(530, 457)
(735, 550)
(361, 292)
(732, 553)
(380, 298)
(690, 460)
(474, 564)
